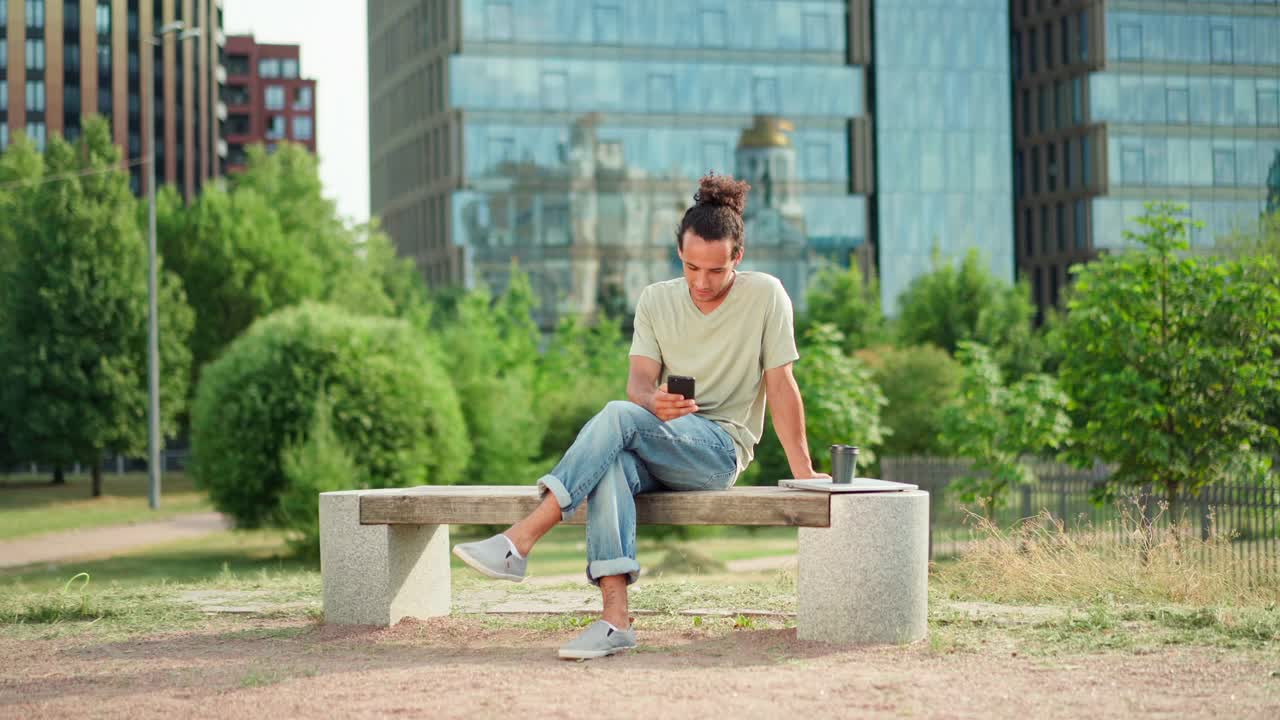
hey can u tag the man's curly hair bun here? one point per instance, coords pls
(717, 212)
(722, 190)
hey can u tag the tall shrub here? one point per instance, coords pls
(392, 405)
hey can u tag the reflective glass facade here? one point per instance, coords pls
(585, 125)
(943, 136)
(1192, 105)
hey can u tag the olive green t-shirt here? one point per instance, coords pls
(725, 351)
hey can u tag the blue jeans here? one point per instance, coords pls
(626, 450)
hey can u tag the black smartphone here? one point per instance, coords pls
(680, 385)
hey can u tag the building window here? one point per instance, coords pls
(1224, 168)
(1268, 108)
(1130, 42)
(4, 50)
(35, 14)
(274, 97)
(237, 64)
(4, 126)
(764, 95)
(1026, 232)
(102, 17)
(302, 127)
(70, 102)
(302, 98)
(1019, 174)
(1082, 34)
(711, 24)
(1177, 104)
(289, 68)
(269, 68)
(1026, 113)
(1061, 104)
(498, 25)
(817, 32)
(36, 131)
(1077, 101)
(4, 18)
(1068, 174)
(1044, 228)
(35, 96)
(1033, 49)
(662, 92)
(1131, 165)
(555, 91)
(1062, 227)
(35, 54)
(1048, 45)
(1051, 164)
(1043, 107)
(71, 57)
(1065, 41)
(607, 24)
(1053, 284)
(1035, 171)
(1080, 225)
(4, 96)
(818, 157)
(1016, 59)
(1220, 41)
(275, 127)
(1086, 161)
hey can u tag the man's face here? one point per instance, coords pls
(708, 266)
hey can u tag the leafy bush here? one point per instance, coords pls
(841, 404)
(917, 382)
(315, 464)
(391, 403)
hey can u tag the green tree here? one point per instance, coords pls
(75, 362)
(995, 425)
(235, 263)
(491, 357)
(918, 383)
(21, 169)
(842, 405)
(1170, 359)
(314, 464)
(584, 367)
(965, 302)
(838, 296)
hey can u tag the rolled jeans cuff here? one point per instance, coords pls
(552, 484)
(597, 569)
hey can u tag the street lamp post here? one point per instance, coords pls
(154, 470)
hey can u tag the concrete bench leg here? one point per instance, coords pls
(378, 574)
(865, 579)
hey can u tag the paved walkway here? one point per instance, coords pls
(104, 541)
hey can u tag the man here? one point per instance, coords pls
(733, 333)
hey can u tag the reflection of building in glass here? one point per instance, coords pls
(570, 135)
(943, 137)
(1123, 102)
(1273, 185)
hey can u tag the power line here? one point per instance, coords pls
(71, 176)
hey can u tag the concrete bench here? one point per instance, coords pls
(863, 576)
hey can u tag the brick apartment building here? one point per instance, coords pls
(268, 101)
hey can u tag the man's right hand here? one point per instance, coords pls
(669, 406)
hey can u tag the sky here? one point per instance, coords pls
(333, 39)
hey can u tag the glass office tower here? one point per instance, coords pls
(568, 136)
(943, 137)
(1130, 101)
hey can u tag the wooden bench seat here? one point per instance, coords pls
(863, 571)
(505, 504)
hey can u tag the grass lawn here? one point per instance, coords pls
(234, 556)
(29, 505)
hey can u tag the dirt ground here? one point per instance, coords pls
(465, 667)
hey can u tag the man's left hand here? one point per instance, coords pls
(809, 474)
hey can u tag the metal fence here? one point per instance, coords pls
(171, 460)
(1245, 515)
